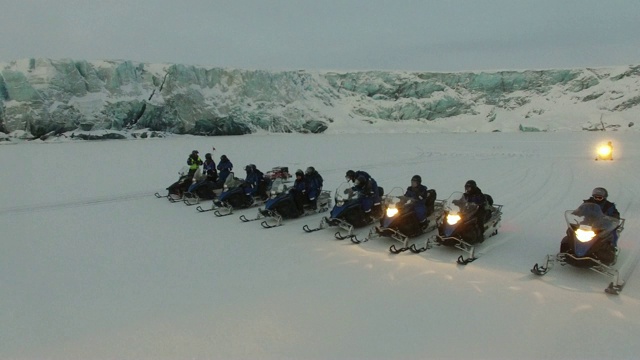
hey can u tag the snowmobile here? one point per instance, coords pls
(209, 190)
(589, 244)
(347, 213)
(231, 183)
(282, 206)
(278, 172)
(460, 229)
(400, 222)
(176, 190)
(240, 197)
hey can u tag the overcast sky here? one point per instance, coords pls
(414, 35)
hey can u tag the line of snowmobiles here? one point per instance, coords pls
(589, 241)
(455, 219)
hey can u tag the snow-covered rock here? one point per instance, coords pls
(44, 96)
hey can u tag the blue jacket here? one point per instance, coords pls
(420, 205)
(314, 183)
(224, 167)
(477, 197)
(608, 208)
(209, 168)
(419, 193)
(300, 185)
(371, 188)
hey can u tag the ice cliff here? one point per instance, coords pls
(44, 96)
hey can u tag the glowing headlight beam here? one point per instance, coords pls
(585, 234)
(604, 151)
(453, 219)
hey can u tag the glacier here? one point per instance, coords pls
(45, 97)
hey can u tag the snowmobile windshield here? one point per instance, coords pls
(396, 197)
(232, 182)
(456, 203)
(590, 214)
(277, 186)
(345, 193)
(183, 171)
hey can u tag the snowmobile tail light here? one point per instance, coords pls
(584, 233)
(453, 219)
(392, 211)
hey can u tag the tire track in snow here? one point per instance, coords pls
(75, 203)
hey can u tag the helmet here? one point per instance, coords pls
(224, 158)
(207, 156)
(195, 152)
(299, 172)
(417, 179)
(471, 184)
(310, 170)
(351, 175)
(361, 180)
(600, 192)
(250, 167)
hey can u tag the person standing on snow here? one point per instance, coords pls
(224, 167)
(314, 183)
(194, 162)
(209, 168)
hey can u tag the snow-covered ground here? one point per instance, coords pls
(92, 265)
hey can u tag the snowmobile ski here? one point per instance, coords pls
(307, 229)
(200, 209)
(246, 219)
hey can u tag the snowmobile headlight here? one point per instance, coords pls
(584, 233)
(392, 211)
(340, 202)
(604, 150)
(453, 219)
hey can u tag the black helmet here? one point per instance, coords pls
(361, 180)
(417, 179)
(351, 175)
(250, 167)
(299, 172)
(224, 158)
(471, 184)
(310, 170)
(195, 152)
(207, 156)
(600, 192)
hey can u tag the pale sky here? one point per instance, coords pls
(413, 35)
